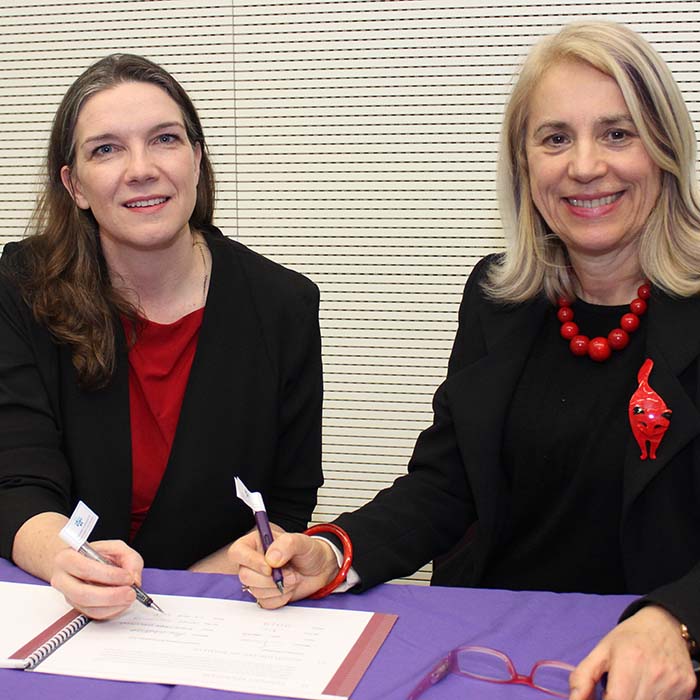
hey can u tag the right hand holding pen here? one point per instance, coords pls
(307, 564)
(98, 590)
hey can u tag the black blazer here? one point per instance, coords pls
(456, 479)
(252, 408)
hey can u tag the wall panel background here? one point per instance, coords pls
(354, 141)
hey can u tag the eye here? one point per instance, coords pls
(104, 150)
(618, 135)
(556, 140)
(166, 138)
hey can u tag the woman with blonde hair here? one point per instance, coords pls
(565, 449)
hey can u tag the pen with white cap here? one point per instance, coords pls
(141, 595)
(254, 500)
(75, 534)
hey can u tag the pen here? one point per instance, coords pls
(263, 524)
(254, 501)
(141, 595)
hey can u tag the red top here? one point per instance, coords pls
(159, 367)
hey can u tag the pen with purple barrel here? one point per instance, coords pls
(254, 501)
(263, 524)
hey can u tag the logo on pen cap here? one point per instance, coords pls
(77, 530)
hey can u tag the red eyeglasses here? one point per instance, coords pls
(485, 664)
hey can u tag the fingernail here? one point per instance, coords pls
(273, 558)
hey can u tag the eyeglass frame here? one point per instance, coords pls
(448, 664)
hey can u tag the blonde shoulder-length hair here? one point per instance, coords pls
(536, 260)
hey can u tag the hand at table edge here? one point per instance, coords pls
(645, 658)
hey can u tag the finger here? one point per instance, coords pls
(272, 599)
(584, 677)
(268, 597)
(260, 577)
(123, 556)
(274, 603)
(97, 601)
(270, 594)
(288, 546)
(73, 564)
(248, 557)
(263, 586)
(265, 589)
(102, 613)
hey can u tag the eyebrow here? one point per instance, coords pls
(610, 120)
(109, 135)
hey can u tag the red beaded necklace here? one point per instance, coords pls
(600, 349)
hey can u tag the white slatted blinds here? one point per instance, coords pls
(44, 46)
(355, 141)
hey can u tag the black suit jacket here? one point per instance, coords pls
(252, 408)
(456, 480)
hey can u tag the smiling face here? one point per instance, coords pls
(590, 176)
(134, 167)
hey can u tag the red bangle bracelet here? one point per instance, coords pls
(347, 556)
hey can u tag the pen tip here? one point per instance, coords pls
(155, 605)
(280, 587)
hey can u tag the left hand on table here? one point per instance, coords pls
(645, 658)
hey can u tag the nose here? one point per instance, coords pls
(140, 165)
(587, 162)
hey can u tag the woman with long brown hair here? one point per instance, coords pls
(145, 358)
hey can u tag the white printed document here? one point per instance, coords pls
(296, 651)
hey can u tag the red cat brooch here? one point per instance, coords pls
(649, 414)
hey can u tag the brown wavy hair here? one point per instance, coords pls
(64, 277)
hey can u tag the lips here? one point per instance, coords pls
(140, 203)
(594, 203)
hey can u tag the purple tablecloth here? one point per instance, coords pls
(527, 626)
